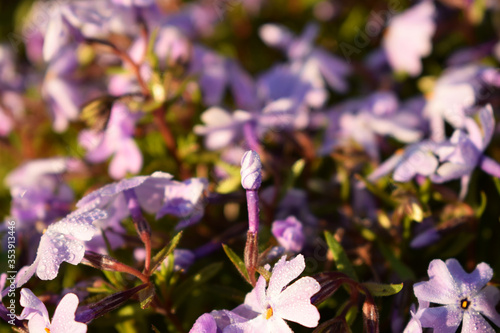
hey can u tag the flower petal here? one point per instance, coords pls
(444, 319)
(64, 316)
(283, 273)
(474, 322)
(294, 303)
(485, 302)
(441, 287)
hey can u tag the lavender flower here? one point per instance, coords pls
(462, 298)
(414, 325)
(456, 93)
(301, 51)
(63, 241)
(221, 127)
(363, 120)
(268, 308)
(63, 320)
(157, 194)
(408, 37)
(116, 140)
(39, 193)
(289, 234)
(464, 152)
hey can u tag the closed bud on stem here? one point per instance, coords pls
(251, 171)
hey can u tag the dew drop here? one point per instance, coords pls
(41, 268)
(71, 256)
(55, 250)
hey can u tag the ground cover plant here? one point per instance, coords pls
(218, 166)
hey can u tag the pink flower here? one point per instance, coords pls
(63, 320)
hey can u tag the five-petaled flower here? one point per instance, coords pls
(37, 315)
(463, 298)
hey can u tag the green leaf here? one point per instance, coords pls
(482, 206)
(146, 296)
(237, 261)
(497, 183)
(378, 289)
(186, 288)
(341, 261)
(160, 256)
(404, 272)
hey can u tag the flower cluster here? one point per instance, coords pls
(249, 166)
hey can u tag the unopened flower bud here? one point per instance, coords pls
(251, 170)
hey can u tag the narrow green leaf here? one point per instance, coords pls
(341, 261)
(146, 296)
(237, 261)
(153, 327)
(378, 289)
(377, 192)
(482, 206)
(160, 256)
(186, 288)
(404, 272)
(497, 183)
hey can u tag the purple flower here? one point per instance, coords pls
(37, 315)
(216, 73)
(268, 308)
(408, 38)
(464, 151)
(321, 66)
(116, 140)
(61, 91)
(460, 298)
(414, 325)
(157, 194)
(221, 127)
(289, 234)
(11, 102)
(63, 241)
(363, 120)
(39, 192)
(456, 93)
(416, 159)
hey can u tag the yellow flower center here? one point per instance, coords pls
(269, 312)
(47, 330)
(464, 303)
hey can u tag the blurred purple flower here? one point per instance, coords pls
(61, 91)
(72, 21)
(416, 159)
(11, 84)
(289, 234)
(221, 127)
(318, 63)
(117, 140)
(460, 297)
(39, 193)
(37, 315)
(408, 37)
(134, 3)
(63, 241)
(216, 73)
(464, 151)
(456, 93)
(363, 120)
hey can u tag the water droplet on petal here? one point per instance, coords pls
(55, 250)
(41, 267)
(71, 257)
